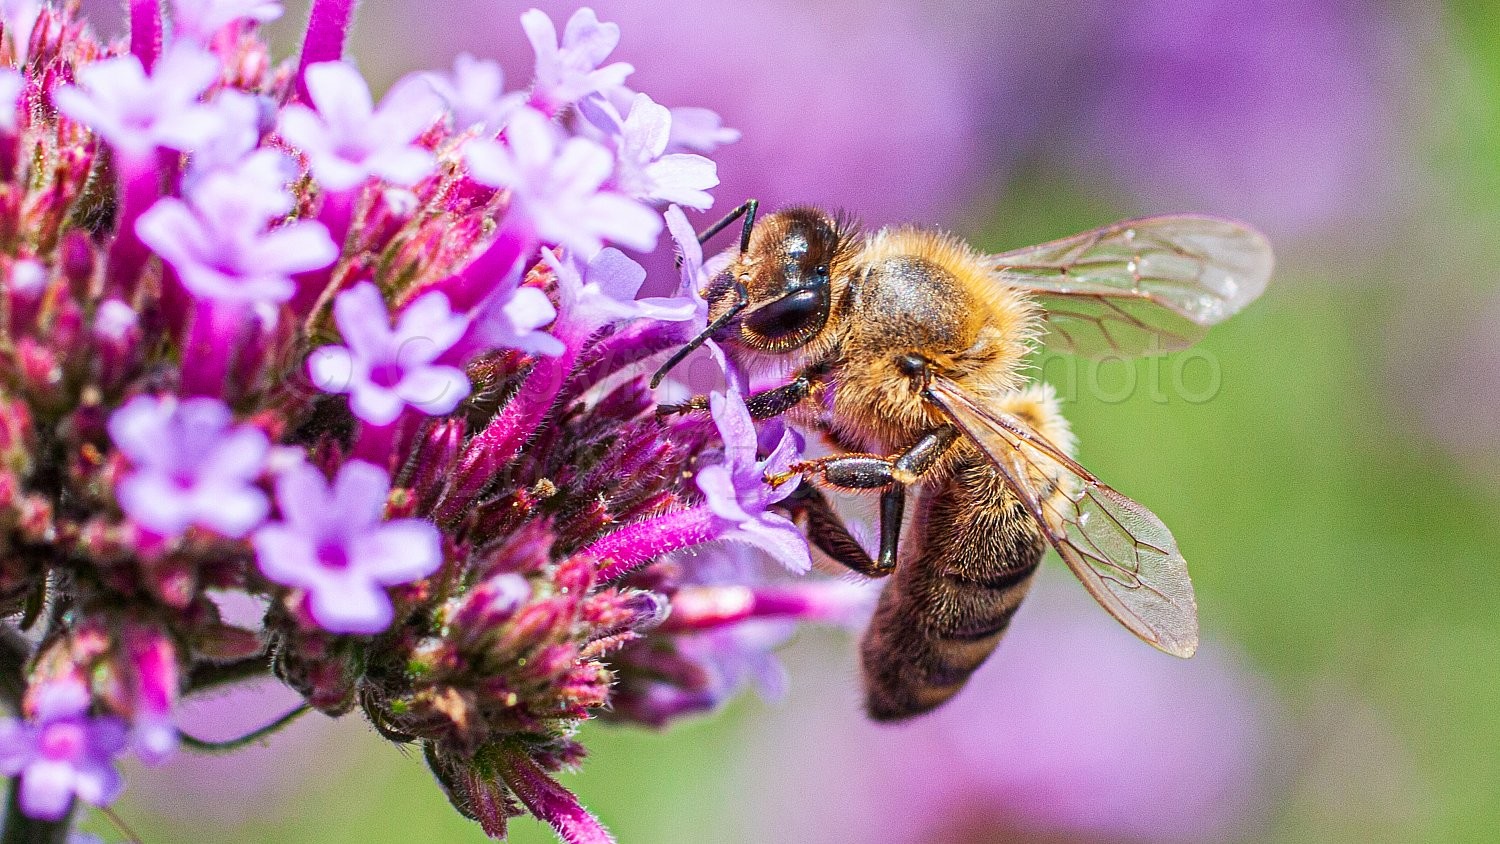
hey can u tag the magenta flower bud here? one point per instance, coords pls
(491, 604)
(77, 260)
(25, 283)
(154, 669)
(433, 459)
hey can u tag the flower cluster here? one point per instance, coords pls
(376, 364)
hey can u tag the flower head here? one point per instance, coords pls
(569, 70)
(62, 752)
(191, 465)
(333, 544)
(604, 292)
(348, 140)
(385, 369)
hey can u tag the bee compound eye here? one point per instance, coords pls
(790, 315)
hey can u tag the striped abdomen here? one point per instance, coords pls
(964, 566)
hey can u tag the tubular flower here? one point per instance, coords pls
(379, 368)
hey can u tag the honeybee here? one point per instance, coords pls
(906, 349)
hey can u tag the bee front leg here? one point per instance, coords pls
(890, 475)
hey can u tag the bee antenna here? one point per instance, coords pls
(742, 299)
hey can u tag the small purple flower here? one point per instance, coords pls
(347, 140)
(200, 19)
(10, 95)
(218, 241)
(137, 113)
(61, 753)
(385, 369)
(475, 94)
(568, 72)
(192, 466)
(694, 276)
(737, 492)
(512, 317)
(557, 185)
(699, 130)
(333, 544)
(605, 292)
(648, 172)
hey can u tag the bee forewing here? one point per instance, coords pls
(1142, 286)
(1123, 554)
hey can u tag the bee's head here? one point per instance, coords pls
(778, 293)
(787, 277)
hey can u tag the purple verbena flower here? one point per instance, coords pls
(200, 19)
(737, 490)
(137, 113)
(557, 185)
(699, 130)
(62, 752)
(475, 94)
(218, 240)
(348, 140)
(386, 369)
(190, 466)
(333, 544)
(567, 72)
(512, 317)
(20, 18)
(648, 172)
(604, 292)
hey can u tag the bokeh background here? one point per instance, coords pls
(1329, 460)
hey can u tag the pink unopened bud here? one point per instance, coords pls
(154, 669)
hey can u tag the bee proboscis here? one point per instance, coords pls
(906, 349)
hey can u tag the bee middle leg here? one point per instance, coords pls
(762, 405)
(891, 475)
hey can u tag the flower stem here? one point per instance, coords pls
(327, 27)
(145, 31)
(139, 188)
(20, 828)
(638, 543)
(205, 746)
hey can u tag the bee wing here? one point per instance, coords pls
(1124, 555)
(1148, 285)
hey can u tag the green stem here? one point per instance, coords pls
(248, 738)
(20, 829)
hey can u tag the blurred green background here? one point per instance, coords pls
(1336, 495)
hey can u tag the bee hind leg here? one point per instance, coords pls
(828, 533)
